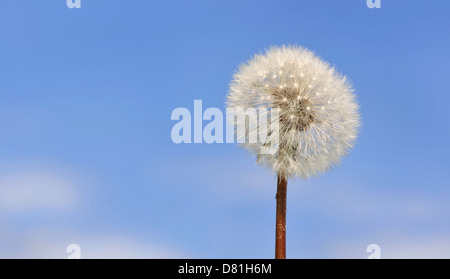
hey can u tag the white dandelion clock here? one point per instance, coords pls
(317, 114)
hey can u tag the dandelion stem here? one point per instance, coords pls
(280, 238)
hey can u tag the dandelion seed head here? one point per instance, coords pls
(312, 137)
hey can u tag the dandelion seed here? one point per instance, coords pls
(339, 119)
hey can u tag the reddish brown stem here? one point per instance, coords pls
(280, 238)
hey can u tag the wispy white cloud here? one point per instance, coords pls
(52, 243)
(27, 187)
(393, 245)
(405, 224)
(36, 188)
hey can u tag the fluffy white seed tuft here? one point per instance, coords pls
(318, 116)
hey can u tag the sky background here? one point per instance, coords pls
(86, 155)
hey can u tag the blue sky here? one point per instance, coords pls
(86, 155)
